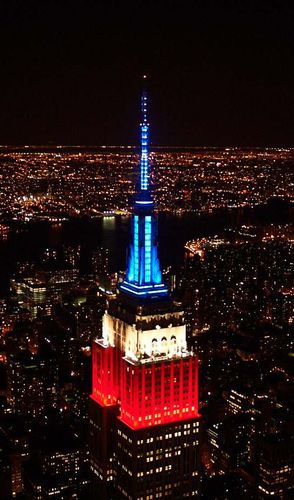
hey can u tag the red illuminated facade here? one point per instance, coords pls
(141, 397)
(104, 379)
(143, 389)
(149, 389)
(153, 399)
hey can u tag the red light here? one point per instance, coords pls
(104, 377)
(148, 393)
(159, 392)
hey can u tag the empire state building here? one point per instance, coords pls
(144, 421)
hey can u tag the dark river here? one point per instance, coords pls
(26, 242)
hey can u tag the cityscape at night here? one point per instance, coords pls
(63, 182)
(146, 251)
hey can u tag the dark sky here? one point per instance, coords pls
(221, 71)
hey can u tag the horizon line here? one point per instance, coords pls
(128, 146)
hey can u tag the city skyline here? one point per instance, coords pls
(230, 305)
(147, 291)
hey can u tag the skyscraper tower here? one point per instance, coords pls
(143, 278)
(144, 422)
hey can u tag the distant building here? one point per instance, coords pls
(31, 383)
(38, 293)
(72, 255)
(283, 307)
(14, 436)
(240, 400)
(100, 262)
(229, 443)
(276, 466)
(58, 466)
(5, 471)
(229, 486)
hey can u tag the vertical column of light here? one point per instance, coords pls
(172, 385)
(190, 378)
(143, 397)
(196, 383)
(162, 392)
(144, 179)
(95, 369)
(147, 248)
(136, 248)
(153, 375)
(181, 385)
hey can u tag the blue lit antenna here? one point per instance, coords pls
(143, 277)
(144, 162)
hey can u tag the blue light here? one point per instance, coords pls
(145, 293)
(148, 248)
(144, 163)
(143, 277)
(136, 247)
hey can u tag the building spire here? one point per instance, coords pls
(144, 142)
(143, 276)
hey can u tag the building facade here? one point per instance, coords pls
(144, 421)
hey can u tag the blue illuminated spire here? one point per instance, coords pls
(143, 196)
(144, 160)
(143, 276)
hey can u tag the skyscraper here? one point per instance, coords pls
(144, 421)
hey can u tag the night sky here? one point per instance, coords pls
(221, 73)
